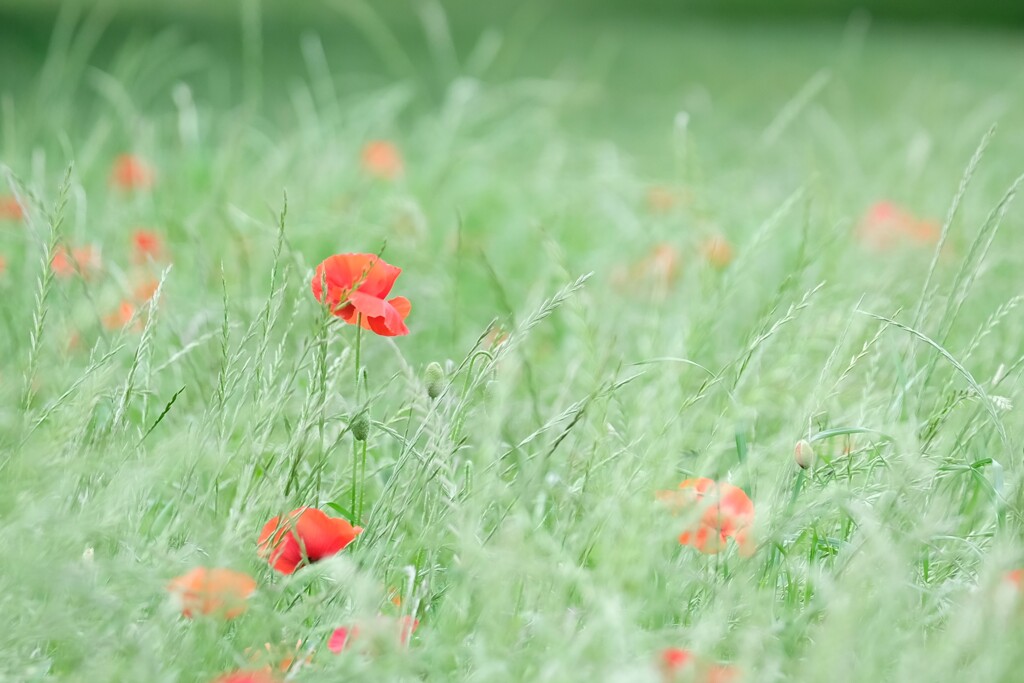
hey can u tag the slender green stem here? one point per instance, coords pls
(362, 484)
(357, 485)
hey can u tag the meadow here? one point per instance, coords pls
(712, 368)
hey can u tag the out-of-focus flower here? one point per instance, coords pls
(10, 209)
(886, 226)
(84, 261)
(717, 251)
(130, 172)
(382, 159)
(725, 512)
(216, 592)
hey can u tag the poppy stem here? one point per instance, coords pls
(359, 343)
(357, 498)
(362, 485)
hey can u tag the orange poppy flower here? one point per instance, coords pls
(382, 159)
(147, 244)
(661, 199)
(282, 657)
(887, 226)
(726, 512)
(10, 209)
(404, 627)
(254, 676)
(119, 318)
(131, 173)
(78, 261)
(218, 592)
(717, 251)
(1014, 576)
(356, 287)
(145, 290)
(306, 535)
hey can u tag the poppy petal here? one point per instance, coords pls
(380, 316)
(344, 272)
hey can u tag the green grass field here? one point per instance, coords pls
(563, 177)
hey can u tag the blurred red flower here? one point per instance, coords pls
(78, 261)
(147, 244)
(218, 592)
(120, 317)
(131, 173)
(717, 251)
(254, 676)
(401, 629)
(679, 665)
(382, 159)
(307, 534)
(10, 209)
(357, 285)
(887, 225)
(726, 512)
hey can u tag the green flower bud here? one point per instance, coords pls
(434, 377)
(804, 454)
(360, 426)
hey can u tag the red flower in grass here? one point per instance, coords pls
(400, 630)
(254, 676)
(306, 535)
(726, 512)
(382, 159)
(217, 592)
(131, 173)
(82, 261)
(10, 209)
(147, 244)
(357, 285)
(886, 226)
(679, 665)
(717, 251)
(120, 317)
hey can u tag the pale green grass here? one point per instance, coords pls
(516, 512)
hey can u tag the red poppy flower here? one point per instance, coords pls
(119, 318)
(887, 226)
(679, 665)
(382, 159)
(726, 512)
(383, 627)
(147, 244)
(145, 290)
(10, 209)
(254, 676)
(219, 592)
(306, 535)
(131, 173)
(78, 261)
(1015, 576)
(717, 251)
(356, 287)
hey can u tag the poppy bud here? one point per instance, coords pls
(360, 426)
(434, 377)
(804, 454)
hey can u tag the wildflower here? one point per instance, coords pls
(804, 454)
(307, 534)
(119, 318)
(10, 209)
(356, 287)
(252, 676)
(131, 173)
(726, 512)
(1015, 577)
(145, 290)
(661, 199)
(146, 244)
(886, 226)
(382, 159)
(219, 592)
(677, 664)
(434, 378)
(78, 261)
(281, 657)
(385, 629)
(717, 251)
